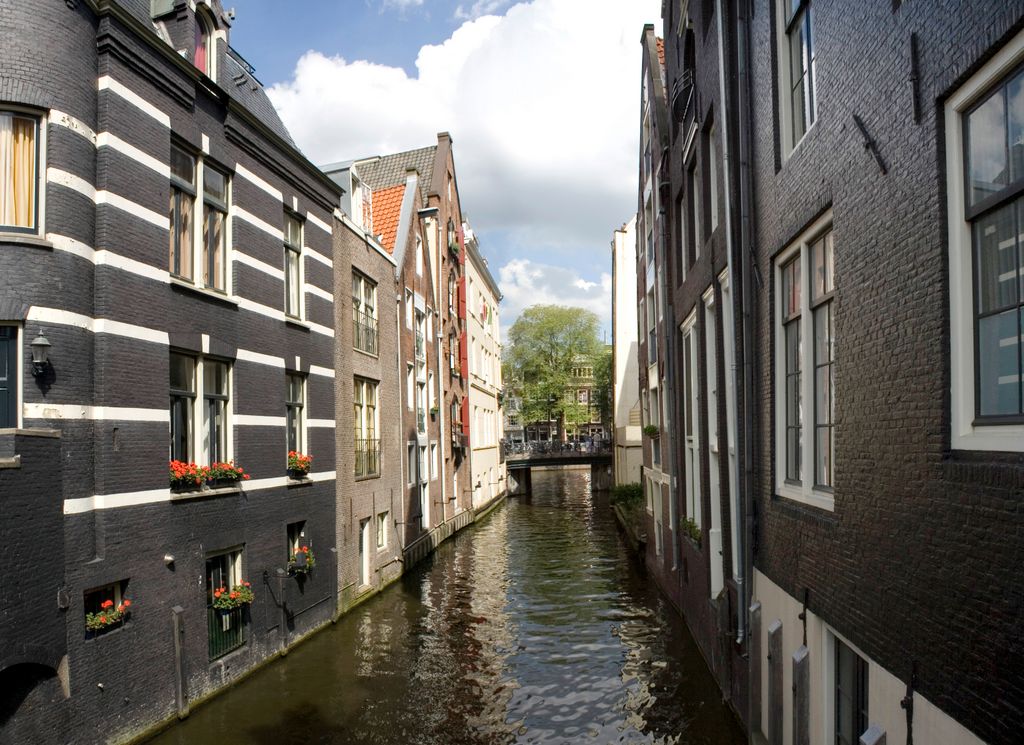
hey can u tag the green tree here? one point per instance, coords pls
(603, 387)
(544, 345)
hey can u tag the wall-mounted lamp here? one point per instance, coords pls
(168, 559)
(40, 355)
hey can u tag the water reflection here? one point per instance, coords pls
(533, 627)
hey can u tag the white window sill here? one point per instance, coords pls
(814, 498)
(293, 321)
(184, 284)
(32, 240)
(1001, 439)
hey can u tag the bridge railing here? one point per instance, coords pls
(525, 450)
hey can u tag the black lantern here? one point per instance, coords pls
(40, 355)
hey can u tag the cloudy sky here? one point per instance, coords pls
(541, 98)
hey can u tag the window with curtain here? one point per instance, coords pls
(292, 266)
(183, 395)
(215, 209)
(367, 443)
(203, 59)
(18, 168)
(215, 399)
(183, 194)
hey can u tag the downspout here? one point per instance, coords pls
(737, 523)
(667, 391)
(749, 276)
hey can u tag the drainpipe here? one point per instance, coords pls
(737, 523)
(668, 391)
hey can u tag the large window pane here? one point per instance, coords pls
(215, 395)
(1015, 116)
(291, 282)
(182, 390)
(18, 150)
(999, 360)
(213, 248)
(987, 161)
(997, 260)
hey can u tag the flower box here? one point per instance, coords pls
(235, 597)
(302, 561)
(219, 475)
(299, 464)
(108, 615)
(186, 476)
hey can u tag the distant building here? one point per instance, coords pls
(626, 414)
(485, 386)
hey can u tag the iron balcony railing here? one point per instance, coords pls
(367, 458)
(421, 346)
(226, 631)
(364, 331)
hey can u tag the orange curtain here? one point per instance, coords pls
(24, 171)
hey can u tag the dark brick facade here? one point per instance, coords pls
(914, 563)
(114, 95)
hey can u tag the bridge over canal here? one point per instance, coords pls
(520, 462)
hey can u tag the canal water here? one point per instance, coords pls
(534, 626)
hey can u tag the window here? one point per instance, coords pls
(295, 404)
(215, 399)
(296, 532)
(985, 170)
(433, 461)
(183, 396)
(411, 460)
(419, 256)
(408, 308)
(410, 387)
(655, 419)
(851, 695)
(19, 156)
(186, 233)
(367, 444)
(382, 530)
(9, 385)
(712, 180)
(213, 377)
(292, 266)
(796, 71)
(804, 364)
(109, 601)
(694, 234)
(183, 194)
(226, 628)
(691, 422)
(453, 294)
(215, 209)
(204, 55)
(652, 325)
(364, 314)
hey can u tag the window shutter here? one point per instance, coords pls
(462, 247)
(462, 298)
(465, 419)
(463, 356)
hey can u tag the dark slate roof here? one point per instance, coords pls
(235, 80)
(389, 170)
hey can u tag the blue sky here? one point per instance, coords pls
(541, 98)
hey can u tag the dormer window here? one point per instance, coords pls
(204, 44)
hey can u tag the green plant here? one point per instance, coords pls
(627, 494)
(225, 472)
(691, 528)
(299, 462)
(651, 430)
(186, 474)
(108, 615)
(238, 595)
(310, 560)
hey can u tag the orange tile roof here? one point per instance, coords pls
(661, 51)
(387, 208)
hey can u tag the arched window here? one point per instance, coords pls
(204, 44)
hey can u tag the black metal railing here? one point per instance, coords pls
(367, 458)
(226, 630)
(364, 331)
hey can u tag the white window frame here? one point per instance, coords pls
(382, 530)
(198, 452)
(805, 491)
(42, 122)
(788, 147)
(303, 406)
(288, 247)
(728, 362)
(964, 433)
(691, 409)
(199, 202)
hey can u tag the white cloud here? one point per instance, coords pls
(525, 283)
(542, 104)
(401, 4)
(480, 8)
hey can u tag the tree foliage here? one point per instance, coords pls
(544, 345)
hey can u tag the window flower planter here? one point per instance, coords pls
(108, 616)
(298, 464)
(186, 477)
(236, 597)
(651, 430)
(220, 475)
(302, 561)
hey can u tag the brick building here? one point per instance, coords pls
(162, 233)
(845, 179)
(368, 386)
